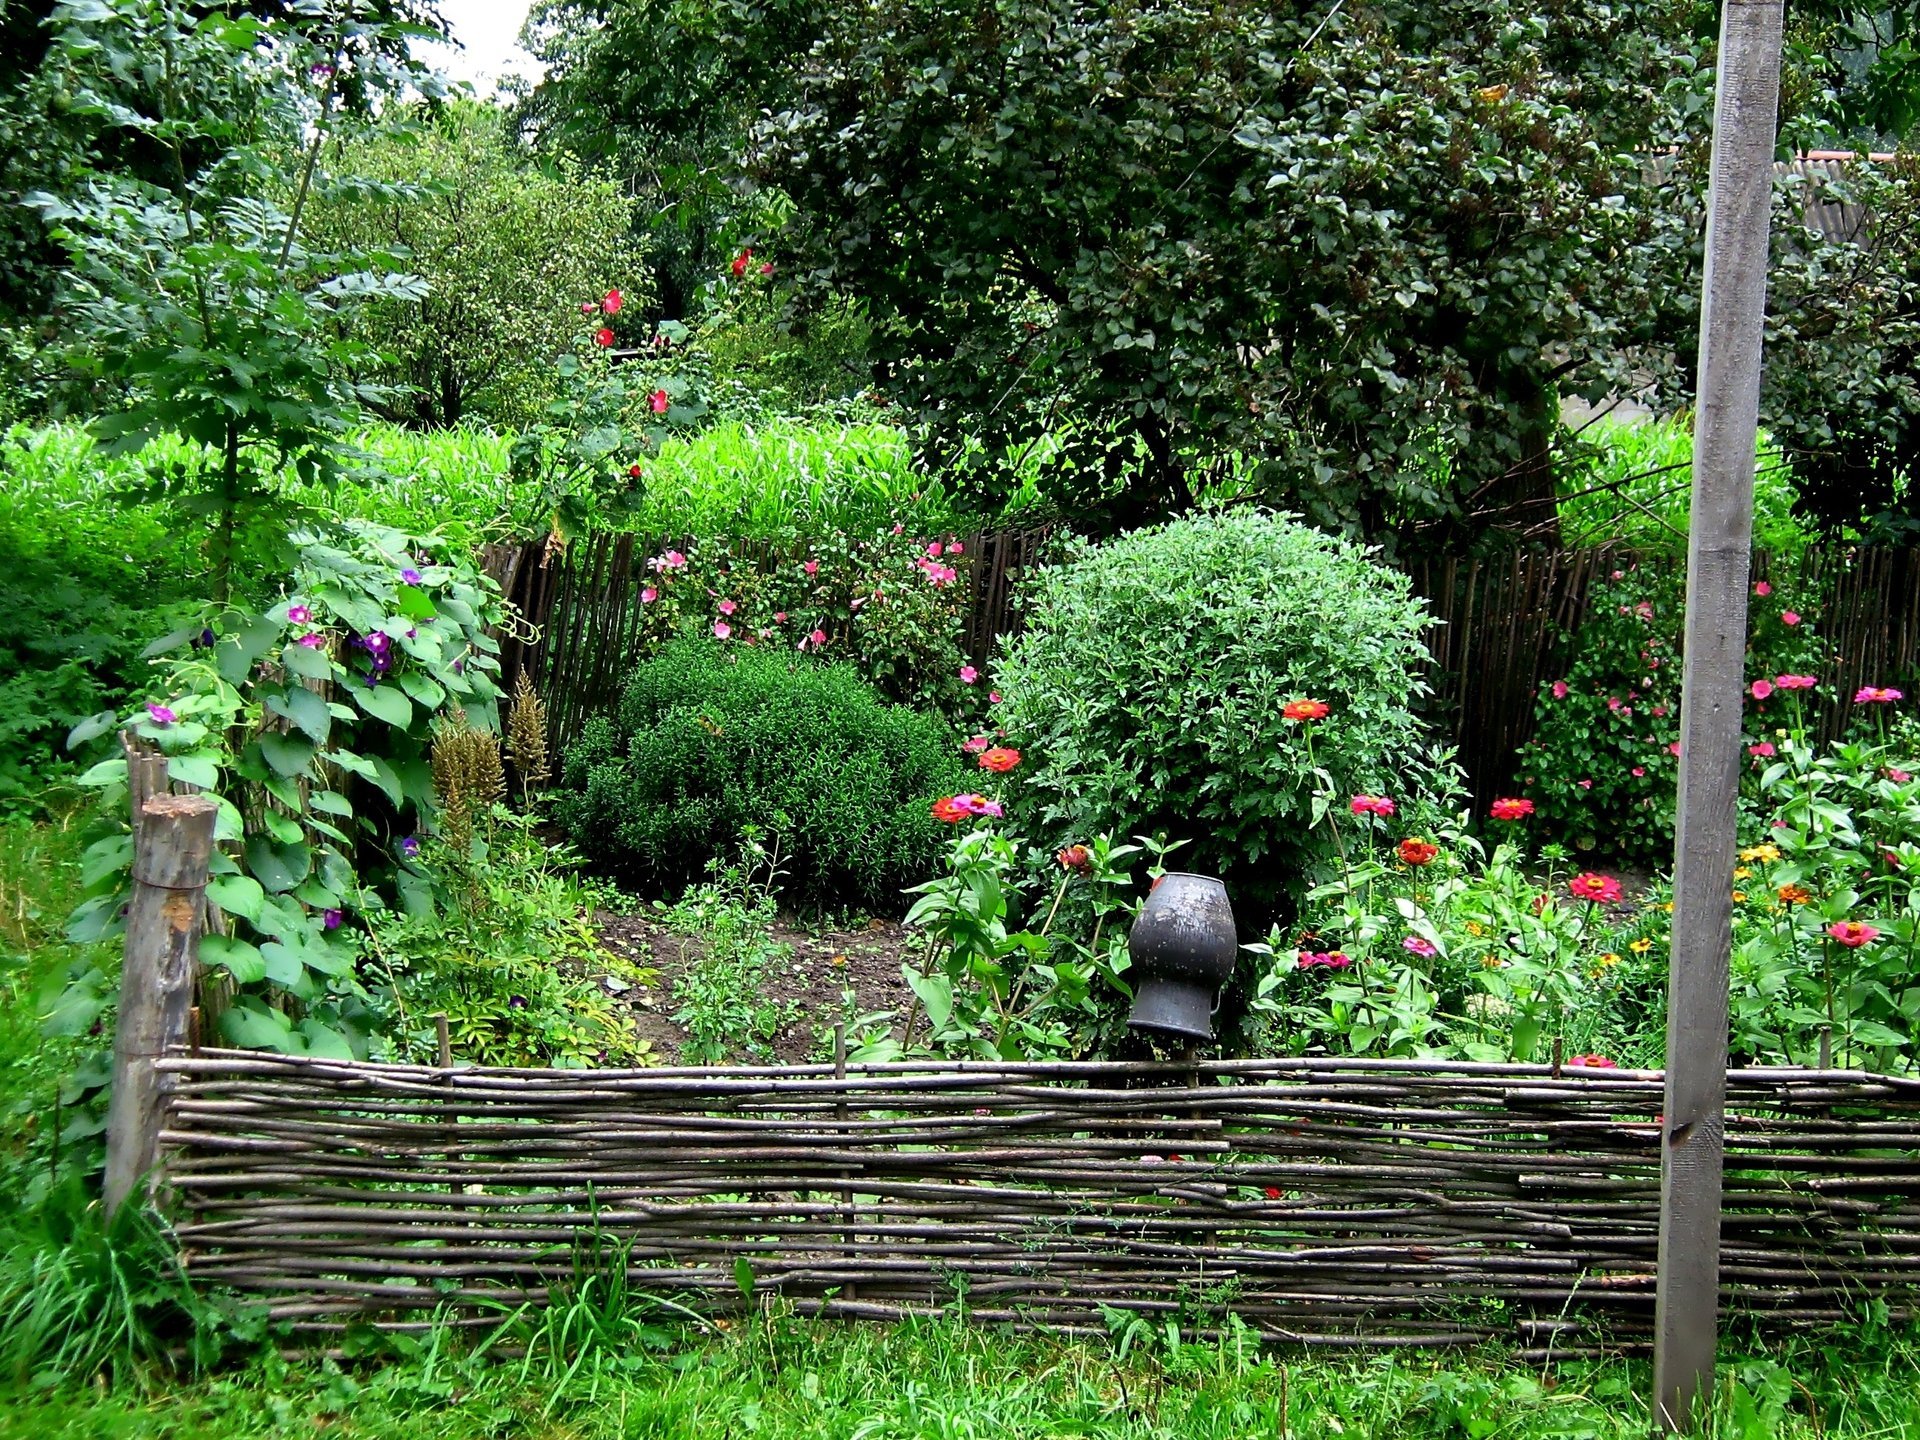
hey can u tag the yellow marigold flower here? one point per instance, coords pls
(1605, 963)
(1474, 927)
(1668, 907)
(1765, 854)
(1738, 896)
(1741, 872)
(1492, 962)
(1795, 894)
(1640, 946)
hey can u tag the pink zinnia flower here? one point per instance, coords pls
(968, 674)
(1763, 749)
(1418, 946)
(1511, 809)
(1795, 682)
(721, 630)
(1870, 695)
(1760, 689)
(1591, 886)
(979, 805)
(1853, 934)
(1592, 1062)
(1372, 805)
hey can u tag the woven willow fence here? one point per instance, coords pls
(1321, 1202)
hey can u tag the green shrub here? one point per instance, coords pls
(712, 744)
(1146, 693)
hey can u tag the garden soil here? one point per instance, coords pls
(824, 961)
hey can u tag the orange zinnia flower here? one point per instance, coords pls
(999, 759)
(1795, 894)
(1418, 852)
(1304, 710)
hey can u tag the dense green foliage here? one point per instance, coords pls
(711, 745)
(1147, 692)
(505, 251)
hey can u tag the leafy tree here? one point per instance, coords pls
(1371, 242)
(194, 298)
(506, 249)
(664, 92)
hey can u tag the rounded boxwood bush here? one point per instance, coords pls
(710, 741)
(1146, 692)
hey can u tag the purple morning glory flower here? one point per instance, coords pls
(377, 642)
(204, 640)
(410, 847)
(313, 640)
(410, 576)
(299, 615)
(330, 919)
(517, 1002)
(161, 714)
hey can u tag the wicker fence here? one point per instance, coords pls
(1500, 637)
(1334, 1203)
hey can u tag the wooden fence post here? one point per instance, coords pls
(173, 844)
(1719, 552)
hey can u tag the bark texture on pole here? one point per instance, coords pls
(173, 843)
(1686, 1320)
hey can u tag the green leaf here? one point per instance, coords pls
(331, 802)
(307, 662)
(237, 895)
(283, 828)
(91, 728)
(250, 1025)
(385, 702)
(236, 957)
(304, 708)
(290, 755)
(235, 654)
(200, 769)
(278, 867)
(325, 1041)
(105, 857)
(107, 772)
(280, 963)
(422, 689)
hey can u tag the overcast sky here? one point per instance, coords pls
(487, 31)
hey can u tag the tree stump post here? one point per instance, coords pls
(172, 847)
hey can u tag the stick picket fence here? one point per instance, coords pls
(1321, 1202)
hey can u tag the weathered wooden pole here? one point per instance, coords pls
(173, 843)
(1719, 544)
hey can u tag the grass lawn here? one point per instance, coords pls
(943, 1380)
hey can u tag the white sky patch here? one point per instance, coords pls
(489, 36)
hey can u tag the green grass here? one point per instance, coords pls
(945, 1381)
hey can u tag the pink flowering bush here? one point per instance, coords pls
(874, 602)
(1603, 764)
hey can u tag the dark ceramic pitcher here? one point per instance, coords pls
(1183, 947)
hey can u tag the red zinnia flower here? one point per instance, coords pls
(1304, 710)
(1590, 886)
(603, 337)
(1511, 809)
(999, 759)
(1417, 852)
(1853, 934)
(949, 809)
(1077, 858)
